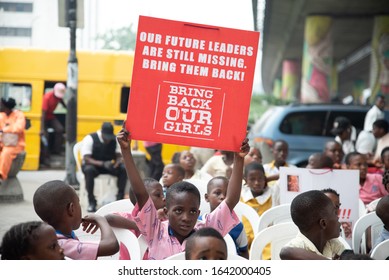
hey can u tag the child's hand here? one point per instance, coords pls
(90, 223)
(244, 148)
(123, 138)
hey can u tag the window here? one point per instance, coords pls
(15, 31)
(304, 123)
(124, 97)
(20, 92)
(16, 7)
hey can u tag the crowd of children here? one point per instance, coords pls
(167, 211)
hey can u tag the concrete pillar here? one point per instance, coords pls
(277, 88)
(290, 77)
(317, 60)
(379, 67)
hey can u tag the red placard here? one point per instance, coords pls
(191, 84)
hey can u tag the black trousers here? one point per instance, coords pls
(155, 163)
(91, 172)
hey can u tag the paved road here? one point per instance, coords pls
(13, 213)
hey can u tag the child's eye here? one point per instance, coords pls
(178, 211)
(193, 211)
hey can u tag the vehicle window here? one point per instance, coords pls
(357, 119)
(258, 126)
(20, 92)
(124, 96)
(304, 123)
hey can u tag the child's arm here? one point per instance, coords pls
(108, 244)
(136, 181)
(293, 253)
(121, 222)
(235, 183)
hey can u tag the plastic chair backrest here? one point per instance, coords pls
(362, 208)
(277, 235)
(77, 158)
(344, 242)
(275, 215)
(231, 247)
(202, 187)
(122, 205)
(381, 251)
(359, 229)
(129, 240)
(241, 209)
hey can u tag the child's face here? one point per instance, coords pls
(253, 155)
(208, 248)
(280, 152)
(217, 193)
(46, 246)
(359, 162)
(182, 213)
(77, 212)
(334, 151)
(170, 176)
(156, 193)
(256, 180)
(332, 229)
(187, 160)
(385, 159)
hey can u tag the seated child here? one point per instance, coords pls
(126, 220)
(253, 155)
(317, 219)
(216, 192)
(34, 240)
(172, 173)
(167, 238)
(188, 162)
(57, 204)
(371, 186)
(319, 161)
(334, 196)
(382, 211)
(258, 195)
(206, 244)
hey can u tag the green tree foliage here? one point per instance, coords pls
(118, 39)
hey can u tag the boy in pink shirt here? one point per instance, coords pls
(166, 238)
(371, 186)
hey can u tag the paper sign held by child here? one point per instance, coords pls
(191, 84)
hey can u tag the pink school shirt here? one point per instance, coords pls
(163, 244)
(372, 188)
(76, 249)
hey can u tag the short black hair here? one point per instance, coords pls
(351, 155)
(51, 200)
(385, 177)
(210, 182)
(382, 209)
(307, 208)
(17, 240)
(203, 232)
(253, 166)
(181, 187)
(176, 157)
(329, 190)
(382, 124)
(384, 150)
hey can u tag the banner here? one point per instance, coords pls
(294, 181)
(191, 84)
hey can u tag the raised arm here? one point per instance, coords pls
(121, 222)
(235, 182)
(136, 181)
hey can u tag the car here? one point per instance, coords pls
(305, 127)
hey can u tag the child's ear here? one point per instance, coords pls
(70, 209)
(206, 197)
(165, 210)
(323, 223)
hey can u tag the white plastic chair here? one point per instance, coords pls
(344, 242)
(381, 251)
(202, 187)
(105, 184)
(359, 229)
(275, 215)
(122, 205)
(129, 240)
(277, 235)
(231, 247)
(361, 208)
(243, 210)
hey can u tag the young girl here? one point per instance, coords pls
(31, 241)
(257, 195)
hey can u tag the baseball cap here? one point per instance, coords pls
(340, 125)
(107, 131)
(59, 90)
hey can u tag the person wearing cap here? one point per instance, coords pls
(101, 154)
(49, 120)
(342, 130)
(12, 139)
